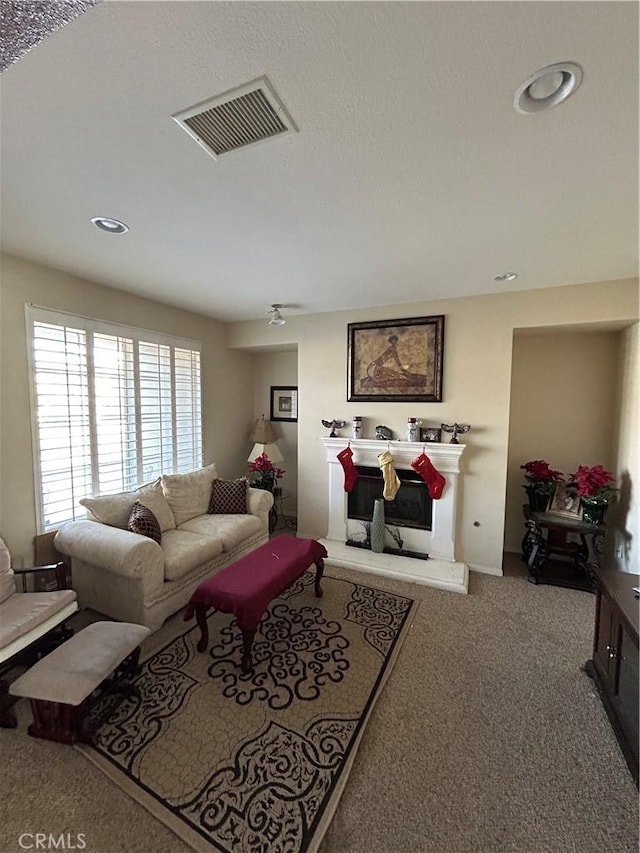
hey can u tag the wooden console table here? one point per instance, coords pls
(614, 665)
(560, 551)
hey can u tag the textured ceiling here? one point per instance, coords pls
(411, 177)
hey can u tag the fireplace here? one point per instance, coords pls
(411, 506)
(435, 535)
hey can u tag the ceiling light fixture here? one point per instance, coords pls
(275, 317)
(112, 226)
(547, 87)
(506, 276)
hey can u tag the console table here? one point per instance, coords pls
(614, 665)
(560, 551)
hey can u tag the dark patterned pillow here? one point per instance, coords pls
(144, 522)
(228, 497)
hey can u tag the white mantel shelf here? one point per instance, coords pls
(441, 570)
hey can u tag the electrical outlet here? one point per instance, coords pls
(619, 552)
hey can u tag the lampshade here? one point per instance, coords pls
(271, 450)
(262, 432)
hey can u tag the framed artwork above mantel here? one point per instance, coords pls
(396, 360)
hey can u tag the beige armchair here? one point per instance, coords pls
(30, 623)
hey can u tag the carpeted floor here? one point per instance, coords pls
(487, 738)
(241, 762)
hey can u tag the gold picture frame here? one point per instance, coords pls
(396, 361)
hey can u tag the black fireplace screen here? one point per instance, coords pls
(412, 506)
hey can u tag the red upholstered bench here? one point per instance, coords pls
(246, 587)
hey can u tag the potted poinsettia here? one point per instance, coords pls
(541, 483)
(262, 473)
(594, 488)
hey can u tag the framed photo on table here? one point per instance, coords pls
(430, 434)
(565, 502)
(284, 403)
(396, 361)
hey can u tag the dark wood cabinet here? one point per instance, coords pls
(614, 663)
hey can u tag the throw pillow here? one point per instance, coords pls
(144, 522)
(188, 494)
(228, 497)
(114, 509)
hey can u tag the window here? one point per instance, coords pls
(112, 408)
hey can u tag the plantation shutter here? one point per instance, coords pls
(112, 408)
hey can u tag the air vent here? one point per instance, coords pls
(235, 119)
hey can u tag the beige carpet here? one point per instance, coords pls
(240, 762)
(487, 738)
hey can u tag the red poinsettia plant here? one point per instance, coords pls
(262, 473)
(538, 470)
(594, 482)
(541, 483)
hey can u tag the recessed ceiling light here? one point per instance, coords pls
(547, 87)
(113, 226)
(506, 276)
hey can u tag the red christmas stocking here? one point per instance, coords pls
(433, 478)
(350, 473)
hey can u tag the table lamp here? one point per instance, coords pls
(265, 441)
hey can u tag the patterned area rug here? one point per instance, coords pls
(256, 762)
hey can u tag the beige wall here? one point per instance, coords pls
(563, 409)
(477, 381)
(279, 368)
(227, 380)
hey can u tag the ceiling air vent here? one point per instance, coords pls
(242, 116)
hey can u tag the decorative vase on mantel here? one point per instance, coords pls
(593, 510)
(376, 531)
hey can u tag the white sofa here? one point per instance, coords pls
(131, 577)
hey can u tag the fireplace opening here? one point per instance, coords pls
(412, 506)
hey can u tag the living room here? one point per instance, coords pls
(545, 366)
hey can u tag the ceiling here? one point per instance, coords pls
(411, 176)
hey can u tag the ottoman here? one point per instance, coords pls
(246, 587)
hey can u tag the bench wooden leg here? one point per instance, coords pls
(55, 721)
(319, 573)
(247, 643)
(201, 617)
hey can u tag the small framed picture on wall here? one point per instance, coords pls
(284, 403)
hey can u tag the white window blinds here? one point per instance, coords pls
(112, 408)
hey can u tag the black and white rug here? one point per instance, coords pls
(256, 762)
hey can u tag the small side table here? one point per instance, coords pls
(280, 496)
(552, 557)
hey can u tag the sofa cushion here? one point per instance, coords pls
(144, 522)
(114, 509)
(188, 494)
(228, 497)
(231, 530)
(154, 499)
(184, 551)
(7, 582)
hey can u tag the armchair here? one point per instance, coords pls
(30, 623)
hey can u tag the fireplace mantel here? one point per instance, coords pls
(441, 569)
